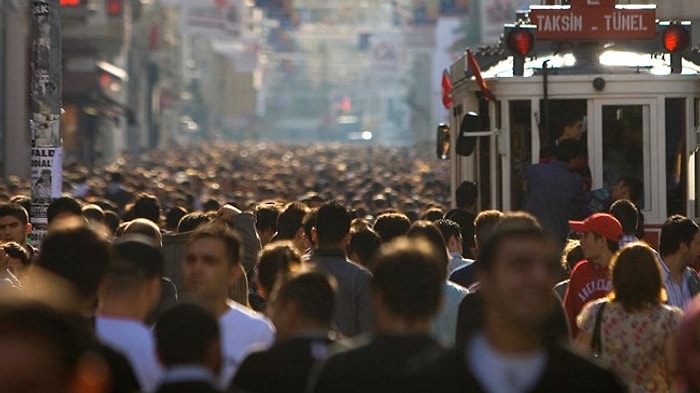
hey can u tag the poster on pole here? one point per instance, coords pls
(46, 174)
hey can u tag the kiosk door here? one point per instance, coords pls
(622, 148)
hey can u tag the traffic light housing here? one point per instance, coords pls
(675, 39)
(519, 40)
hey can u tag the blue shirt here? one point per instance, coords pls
(554, 196)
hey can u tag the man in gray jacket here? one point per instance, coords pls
(332, 233)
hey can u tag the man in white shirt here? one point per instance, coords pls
(452, 233)
(210, 267)
(679, 245)
(130, 291)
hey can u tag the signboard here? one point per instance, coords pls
(594, 20)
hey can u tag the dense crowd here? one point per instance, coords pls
(268, 268)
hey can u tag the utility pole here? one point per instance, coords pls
(44, 121)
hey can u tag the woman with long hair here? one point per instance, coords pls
(632, 330)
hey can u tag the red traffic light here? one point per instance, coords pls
(115, 7)
(520, 41)
(675, 38)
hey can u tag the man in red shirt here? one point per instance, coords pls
(590, 279)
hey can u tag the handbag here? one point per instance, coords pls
(596, 341)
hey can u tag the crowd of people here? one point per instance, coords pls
(259, 268)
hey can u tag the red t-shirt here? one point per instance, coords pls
(589, 281)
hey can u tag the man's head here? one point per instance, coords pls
(211, 263)
(466, 194)
(484, 225)
(188, 334)
(147, 206)
(63, 207)
(430, 232)
(14, 223)
(17, 258)
(173, 217)
(363, 245)
(599, 235)
(452, 233)
(309, 223)
(289, 225)
(625, 212)
(569, 150)
(391, 225)
(266, 215)
(302, 303)
(572, 126)
(191, 221)
(407, 282)
(627, 187)
(79, 257)
(42, 351)
(145, 227)
(277, 259)
(134, 273)
(680, 236)
(333, 225)
(518, 267)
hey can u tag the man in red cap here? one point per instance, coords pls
(590, 279)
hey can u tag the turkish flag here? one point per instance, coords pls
(446, 90)
(476, 71)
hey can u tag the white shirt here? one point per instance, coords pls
(135, 341)
(444, 325)
(242, 331)
(457, 261)
(499, 373)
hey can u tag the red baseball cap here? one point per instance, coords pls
(602, 224)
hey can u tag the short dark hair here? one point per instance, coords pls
(466, 194)
(23, 200)
(625, 212)
(184, 334)
(57, 336)
(137, 255)
(93, 212)
(409, 278)
(221, 231)
(147, 206)
(191, 221)
(365, 243)
(569, 149)
(289, 220)
(16, 251)
(63, 205)
(634, 185)
(332, 223)
(14, 210)
(429, 231)
(677, 229)
(312, 292)
(266, 216)
(211, 205)
(173, 216)
(448, 228)
(391, 225)
(433, 213)
(612, 245)
(79, 255)
(309, 222)
(112, 220)
(636, 277)
(276, 259)
(484, 225)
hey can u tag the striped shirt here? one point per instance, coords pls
(678, 294)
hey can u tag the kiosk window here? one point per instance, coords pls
(676, 167)
(520, 148)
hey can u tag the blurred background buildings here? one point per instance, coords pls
(138, 74)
